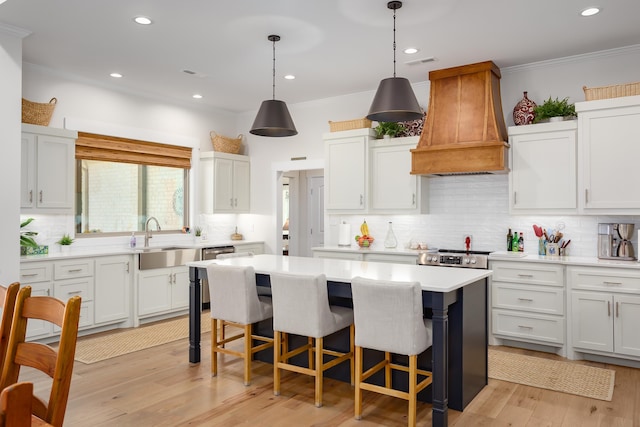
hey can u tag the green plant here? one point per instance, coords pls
(65, 240)
(26, 237)
(198, 231)
(392, 129)
(554, 108)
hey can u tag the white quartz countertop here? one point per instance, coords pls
(370, 250)
(564, 260)
(77, 251)
(436, 279)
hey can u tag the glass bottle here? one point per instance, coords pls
(390, 241)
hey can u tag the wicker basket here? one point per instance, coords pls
(349, 125)
(613, 91)
(37, 113)
(224, 144)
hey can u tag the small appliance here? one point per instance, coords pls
(614, 241)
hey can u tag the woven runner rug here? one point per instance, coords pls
(94, 349)
(572, 378)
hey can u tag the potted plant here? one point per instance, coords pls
(26, 237)
(554, 108)
(64, 242)
(390, 129)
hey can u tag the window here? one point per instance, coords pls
(119, 186)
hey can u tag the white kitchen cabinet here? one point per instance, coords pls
(163, 290)
(47, 170)
(346, 170)
(74, 277)
(225, 183)
(365, 255)
(38, 275)
(543, 176)
(112, 289)
(255, 248)
(351, 256)
(528, 303)
(392, 188)
(609, 150)
(605, 311)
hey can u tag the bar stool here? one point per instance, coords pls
(235, 301)
(301, 307)
(388, 317)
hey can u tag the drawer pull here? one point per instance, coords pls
(611, 283)
(75, 270)
(525, 327)
(29, 275)
(74, 292)
(525, 275)
(608, 308)
(617, 309)
(525, 299)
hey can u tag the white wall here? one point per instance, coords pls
(474, 205)
(10, 117)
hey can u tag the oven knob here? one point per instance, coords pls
(466, 260)
(433, 259)
(473, 260)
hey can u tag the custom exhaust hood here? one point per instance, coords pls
(464, 131)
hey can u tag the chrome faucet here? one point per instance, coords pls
(147, 232)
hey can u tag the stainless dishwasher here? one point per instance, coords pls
(212, 253)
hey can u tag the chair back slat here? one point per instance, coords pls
(15, 405)
(8, 297)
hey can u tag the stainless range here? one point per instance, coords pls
(455, 258)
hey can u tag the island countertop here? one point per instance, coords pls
(434, 279)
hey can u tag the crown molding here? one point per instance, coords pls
(13, 31)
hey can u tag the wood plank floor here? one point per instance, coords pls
(158, 387)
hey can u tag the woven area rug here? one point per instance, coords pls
(94, 349)
(572, 378)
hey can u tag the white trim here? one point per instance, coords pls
(13, 31)
(298, 165)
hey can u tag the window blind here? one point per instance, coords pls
(91, 146)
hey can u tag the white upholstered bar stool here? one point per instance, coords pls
(235, 300)
(223, 324)
(301, 307)
(388, 317)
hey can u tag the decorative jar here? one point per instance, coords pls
(523, 111)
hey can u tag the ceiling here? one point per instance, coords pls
(333, 47)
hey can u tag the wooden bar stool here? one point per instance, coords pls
(388, 317)
(235, 301)
(301, 307)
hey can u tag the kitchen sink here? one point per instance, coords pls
(153, 257)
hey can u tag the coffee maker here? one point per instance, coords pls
(614, 241)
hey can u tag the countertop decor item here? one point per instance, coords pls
(349, 125)
(413, 127)
(554, 108)
(236, 235)
(225, 144)
(391, 129)
(390, 241)
(523, 112)
(394, 100)
(37, 113)
(65, 240)
(273, 117)
(613, 91)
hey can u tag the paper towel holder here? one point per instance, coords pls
(344, 235)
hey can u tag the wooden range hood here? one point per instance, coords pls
(464, 131)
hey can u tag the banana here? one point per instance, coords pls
(364, 228)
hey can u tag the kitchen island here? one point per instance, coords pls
(456, 300)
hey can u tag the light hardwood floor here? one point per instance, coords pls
(158, 387)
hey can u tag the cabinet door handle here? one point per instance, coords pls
(608, 308)
(515, 197)
(586, 195)
(126, 268)
(231, 202)
(525, 299)
(30, 196)
(75, 270)
(29, 275)
(361, 200)
(525, 275)
(40, 196)
(617, 309)
(525, 327)
(48, 292)
(607, 283)
(235, 202)
(413, 201)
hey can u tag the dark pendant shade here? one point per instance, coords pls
(395, 102)
(273, 120)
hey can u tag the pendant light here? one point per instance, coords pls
(273, 117)
(394, 100)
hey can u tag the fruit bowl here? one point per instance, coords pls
(364, 241)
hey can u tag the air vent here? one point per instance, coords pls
(421, 61)
(462, 173)
(194, 73)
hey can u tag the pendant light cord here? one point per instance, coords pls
(394, 42)
(274, 69)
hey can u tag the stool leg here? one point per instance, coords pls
(387, 370)
(310, 352)
(351, 348)
(214, 346)
(358, 396)
(413, 382)
(277, 347)
(319, 371)
(247, 354)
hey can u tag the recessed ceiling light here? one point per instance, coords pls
(197, 96)
(590, 11)
(116, 75)
(142, 20)
(289, 77)
(411, 50)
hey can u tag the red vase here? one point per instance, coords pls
(523, 111)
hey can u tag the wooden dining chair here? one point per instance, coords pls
(15, 405)
(8, 299)
(56, 364)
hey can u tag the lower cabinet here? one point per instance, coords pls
(409, 258)
(605, 311)
(255, 248)
(38, 275)
(112, 289)
(163, 290)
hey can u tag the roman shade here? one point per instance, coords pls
(91, 146)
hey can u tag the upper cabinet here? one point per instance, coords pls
(47, 169)
(543, 177)
(225, 183)
(363, 174)
(609, 149)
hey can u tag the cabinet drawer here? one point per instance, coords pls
(396, 259)
(86, 316)
(32, 273)
(529, 327)
(65, 289)
(607, 279)
(73, 268)
(525, 272)
(537, 299)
